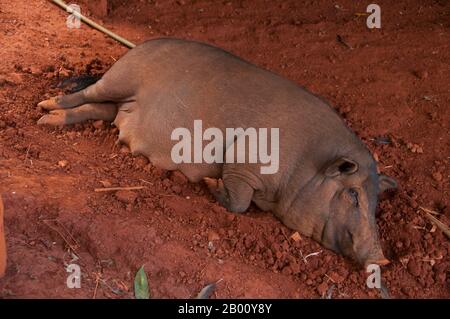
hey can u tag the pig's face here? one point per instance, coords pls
(337, 208)
(351, 227)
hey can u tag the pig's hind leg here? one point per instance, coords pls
(90, 111)
(105, 90)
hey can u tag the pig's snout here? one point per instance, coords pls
(376, 258)
(370, 252)
(360, 244)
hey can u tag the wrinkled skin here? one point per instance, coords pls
(327, 184)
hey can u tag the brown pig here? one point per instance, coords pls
(326, 183)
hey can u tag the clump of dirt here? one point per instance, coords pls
(390, 85)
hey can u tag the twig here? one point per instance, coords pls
(444, 228)
(93, 24)
(74, 249)
(167, 195)
(312, 254)
(113, 189)
(309, 255)
(282, 231)
(97, 279)
(117, 291)
(143, 180)
(28, 151)
(332, 280)
(428, 210)
(67, 231)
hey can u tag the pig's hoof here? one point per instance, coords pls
(379, 262)
(55, 118)
(215, 186)
(50, 104)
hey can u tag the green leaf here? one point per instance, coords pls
(141, 290)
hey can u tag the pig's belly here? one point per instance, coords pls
(149, 133)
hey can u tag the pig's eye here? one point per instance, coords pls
(354, 195)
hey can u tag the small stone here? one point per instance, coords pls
(376, 157)
(10, 132)
(35, 70)
(126, 197)
(124, 149)
(345, 109)
(176, 189)
(3, 80)
(295, 267)
(178, 177)
(336, 277)
(441, 277)
(11, 79)
(166, 182)
(296, 236)
(64, 73)
(106, 183)
(98, 124)
(248, 242)
(48, 68)
(218, 209)
(437, 176)
(231, 217)
(286, 271)
(422, 74)
(322, 289)
(63, 163)
(212, 235)
(2, 124)
(141, 161)
(406, 291)
(413, 268)
(414, 148)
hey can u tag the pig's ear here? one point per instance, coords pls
(341, 165)
(385, 183)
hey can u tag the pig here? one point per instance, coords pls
(327, 183)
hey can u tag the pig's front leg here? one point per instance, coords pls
(233, 193)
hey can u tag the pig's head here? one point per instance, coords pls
(337, 209)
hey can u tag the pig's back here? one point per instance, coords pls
(177, 82)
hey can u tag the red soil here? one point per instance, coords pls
(393, 83)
